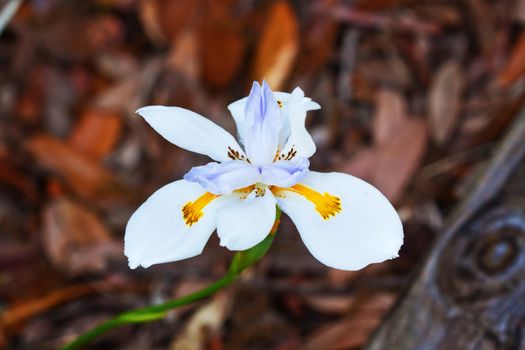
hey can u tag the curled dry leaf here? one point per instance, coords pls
(389, 117)
(96, 133)
(164, 19)
(390, 166)
(330, 304)
(18, 313)
(444, 100)
(354, 330)
(85, 176)
(204, 323)
(515, 66)
(75, 239)
(222, 47)
(278, 46)
(398, 159)
(318, 42)
(184, 55)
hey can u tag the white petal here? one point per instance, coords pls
(366, 230)
(242, 223)
(237, 110)
(295, 111)
(191, 131)
(157, 233)
(223, 178)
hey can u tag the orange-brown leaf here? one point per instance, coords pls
(75, 239)
(515, 66)
(397, 160)
(85, 176)
(96, 133)
(222, 48)
(278, 46)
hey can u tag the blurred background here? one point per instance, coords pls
(415, 95)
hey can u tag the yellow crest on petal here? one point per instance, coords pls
(325, 204)
(192, 211)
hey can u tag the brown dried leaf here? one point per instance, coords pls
(206, 321)
(398, 160)
(184, 55)
(278, 46)
(330, 304)
(390, 116)
(354, 330)
(75, 239)
(483, 18)
(96, 133)
(164, 19)
(222, 47)
(29, 105)
(318, 42)
(85, 176)
(27, 309)
(129, 93)
(515, 66)
(444, 100)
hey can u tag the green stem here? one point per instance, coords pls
(148, 314)
(240, 261)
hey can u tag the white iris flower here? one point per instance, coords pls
(344, 222)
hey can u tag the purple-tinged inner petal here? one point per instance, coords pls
(285, 173)
(224, 178)
(263, 124)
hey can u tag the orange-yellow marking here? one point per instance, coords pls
(325, 204)
(192, 211)
(245, 191)
(280, 103)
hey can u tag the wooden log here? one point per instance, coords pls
(470, 291)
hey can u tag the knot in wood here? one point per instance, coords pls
(487, 259)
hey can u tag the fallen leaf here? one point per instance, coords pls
(318, 42)
(444, 101)
(24, 310)
(278, 46)
(85, 176)
(29, 105)
(391, 166)
(390, 116)
(354, 330)
(484, 23)
(129, 93)
(222, 46)
(205, 322)
(75, 239)
(330, 304)
(96, 133)
(163, 19)
(184, 55)
(515, 66)
(397, 160)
